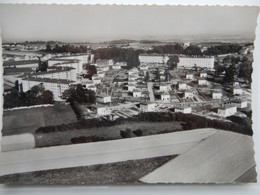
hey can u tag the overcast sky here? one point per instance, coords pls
(94, 23)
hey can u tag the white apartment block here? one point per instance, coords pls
(153, 59)
(57, 87)
(190, 62)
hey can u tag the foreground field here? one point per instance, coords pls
(28, 120)
(127, 172)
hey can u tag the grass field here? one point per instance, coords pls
(111, 173)
(28, 120)
(107, 133)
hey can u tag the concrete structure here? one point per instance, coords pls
(183, 109)
(189, 76)
(163, 87)
(131, 87)
(104, 62)
(116, 67)
(147, 106)
(202, 81)
(96, 81)
(227, 110)
(216, 95)
(201, 62)
(103, 98)
(182, 86)
(203, 75)
(237, 91)
(65, 73)
(99, 110)
(240, 103)
(92, 87)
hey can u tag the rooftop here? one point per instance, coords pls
(47, 80)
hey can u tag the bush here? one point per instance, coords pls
(83, 139)
(138, 132)
(126, 133)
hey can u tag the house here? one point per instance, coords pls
(103, 98)
(147, 106)
(143, 67)
(236, 84)
(188, 94)
(189, 76)
(240, 103)
(227, 110)
(100, 74)
(116, 67)
(202, 81)
(237, 90)
(103, 68)
(216, 95)
(182, 86)
(183, 109)
(104, 62)
(137, 93)
(131, 87)
(165, 96)
(92, 87)
(203, 75)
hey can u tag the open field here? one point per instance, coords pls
(28, 120)
(106, 133)
(112, 173)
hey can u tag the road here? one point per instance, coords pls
(101, 152)
(150, 90)
(221, 158)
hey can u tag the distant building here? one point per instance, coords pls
(147, 106)
(116, 67)
(99, 110)
(163, 87)
(228, 110)
(153, 59)
(240, 103)
(165, 96)
(183, 109)
(216, 95)
(201, 62)
(104, 62)
(103, 98)
(137, 93)
(188, 94)
(203, 75)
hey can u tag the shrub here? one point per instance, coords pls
(138, 132)
(126, 133)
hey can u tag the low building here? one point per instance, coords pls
(216, 95)
(101, 74)
(183, 109)
(237, 91)
(188, 94)
(131, 87)
(147, 106)
(104, 62)
(137, 93)
(182, 86)
(116, 67)
(103, 68)
(227, 110)
(92, 87)
(99, 110)
(103, 98)
(143, 67)
(202, 81)
(189, 76)
(203, 75)
(236, 84)
(96, 81)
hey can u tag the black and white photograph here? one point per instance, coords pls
(125, 94)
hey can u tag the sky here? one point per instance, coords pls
(80, 23)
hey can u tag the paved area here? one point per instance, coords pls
(101, 152)
(221, 158)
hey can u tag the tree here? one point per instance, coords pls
(45, 98)
(245, 71)
(147, 77)
(193, 50)
(173, 61)
(48, 47)
(231, 71)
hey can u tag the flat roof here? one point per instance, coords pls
(47, 80)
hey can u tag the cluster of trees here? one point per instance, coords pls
(130, 56)
(235, 67)
(224, 48)
(190, 121)
(173, 62)
(35, 96)
(91, 70)
(77, 93)
(66, 48)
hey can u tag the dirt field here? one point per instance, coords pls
(106, 133)
(29, 120)
(111, 173)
